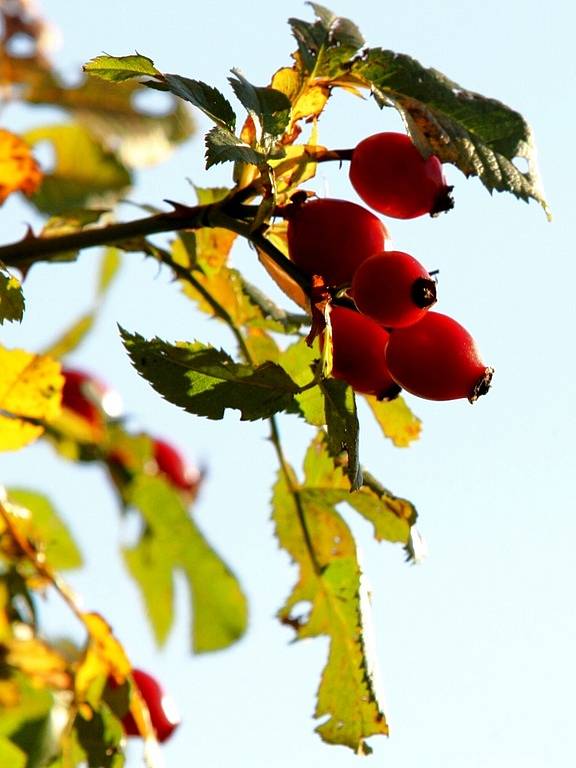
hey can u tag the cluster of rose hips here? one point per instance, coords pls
(94, 401)
(384, 336)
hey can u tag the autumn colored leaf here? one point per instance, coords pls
(330, 585)
(19, 171)
(30, 391)
(11, 299)
(396, 420)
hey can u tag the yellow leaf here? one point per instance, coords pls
(41, 664)
(30, 391)
(396, 420)
(19, 171)
(106, 646)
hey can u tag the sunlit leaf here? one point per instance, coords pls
(119, 68)
(83, 170)
(46, 530)
(42, 665)
(11, 299)
(30, 389)
(206, 381)
(171, 542)
(322, 546)
(19, 171)
(396, 420)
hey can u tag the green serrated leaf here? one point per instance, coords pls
(268, 107)
(206, 381)
(47, 529)
(322, 546)
(327, 44)
(172, 542)
(11, 299)
(342, 426)
(223, 146)
(481, 136)
(206, 98)
(83, 173)
(120, 68)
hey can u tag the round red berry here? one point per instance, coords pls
(358, 349)
(163, 715)
(332, 238)
(393, 288)
(390, 174)
(436, 358)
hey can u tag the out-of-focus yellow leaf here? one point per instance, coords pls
(41, 663)
(396, 420)
(19, 171)
(30, 388)
(108, 648)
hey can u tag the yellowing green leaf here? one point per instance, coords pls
(396, 420)
(119, 68)
(30, 388)
(11, 755)
(11, 299)
(171, 542)
(45, 529)
(322, 546)
(84, 171)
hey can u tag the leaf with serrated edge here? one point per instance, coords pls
(342, 426)
(329, 582)
(268, 107)
(206, 381)
(218, 605)
(11, 299)
(119, 68)
(204, 97)
(396, 420)
(223, 146)
(480, 136)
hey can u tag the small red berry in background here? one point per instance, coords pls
(173, 465)
(393, 288)
(332, 238)
(390, 174)
(358, 347)
(163, 714)
(89, 397)
(437, 359)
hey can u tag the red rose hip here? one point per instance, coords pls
(172, 464)
(437, 359)
(393, 288)
(332, 238)
(390, 174)
(358, 347)
(163, 714)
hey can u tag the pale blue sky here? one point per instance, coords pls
(476, 644)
